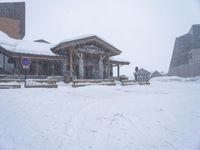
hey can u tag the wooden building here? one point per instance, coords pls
(81, 58)
(88, 57)
(142, 75)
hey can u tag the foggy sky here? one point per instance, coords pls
(144, 30)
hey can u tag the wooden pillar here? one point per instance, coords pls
(53, 69)
(71, 62)
(64, 66)
(4, 62)
(101, 69)
(37, 68)
(81, 67)
(18, 66)
(108, 66)
(118, 71)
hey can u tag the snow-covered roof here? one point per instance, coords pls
(87, 38)
(27, 47)
(73, 39)
(117, 58)
(142, 71)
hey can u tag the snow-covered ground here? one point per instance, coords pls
(162, 116)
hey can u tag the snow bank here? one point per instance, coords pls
(154, 117)
(176, 79)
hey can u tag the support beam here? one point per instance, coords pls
(4, 62)
(18, 66)
(64, 66)
(71, 62)
(81, 66)
(118, 71)
(108, 66)
(101, 69)
(37, 68)
(53, 69)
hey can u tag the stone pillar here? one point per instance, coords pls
(101, 69)
(81, 66)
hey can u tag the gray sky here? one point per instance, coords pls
(145, 30)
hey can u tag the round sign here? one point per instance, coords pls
(26, 62)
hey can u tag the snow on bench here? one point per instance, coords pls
(134, 82)
(128, 82)
(10, 83)
(85, 82)
(41, 83)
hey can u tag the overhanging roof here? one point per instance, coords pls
(116, 62)
(87, 39)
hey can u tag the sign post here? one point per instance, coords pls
(26, 62)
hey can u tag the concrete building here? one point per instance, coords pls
(12, 19)
(185, 61)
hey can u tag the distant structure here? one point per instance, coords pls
(142, 75)
(156, 74)
(12, 19)
(185, 60)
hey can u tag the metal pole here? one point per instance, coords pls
(25, 79)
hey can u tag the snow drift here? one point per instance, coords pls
(161, 116)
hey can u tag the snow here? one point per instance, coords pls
(118, 58)
(79, 38)
(73, 39)
(34, 48)
(10, 83)
(22, 46)
(162, 116)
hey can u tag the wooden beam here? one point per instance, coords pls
(71, 61)
(4, 62)
(118, 71)
(53, 69)
(108, 66)
(37, 68)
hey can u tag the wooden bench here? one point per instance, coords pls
(85, 82)
(144, 83)
(128, 82)
(10, 83)
(41, 83)
(134, 82)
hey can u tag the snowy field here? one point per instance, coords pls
(162, 116)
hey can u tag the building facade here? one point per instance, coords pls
(87, 57)
(185, 61)
(12, 19)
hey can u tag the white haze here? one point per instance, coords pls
(145, 30)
